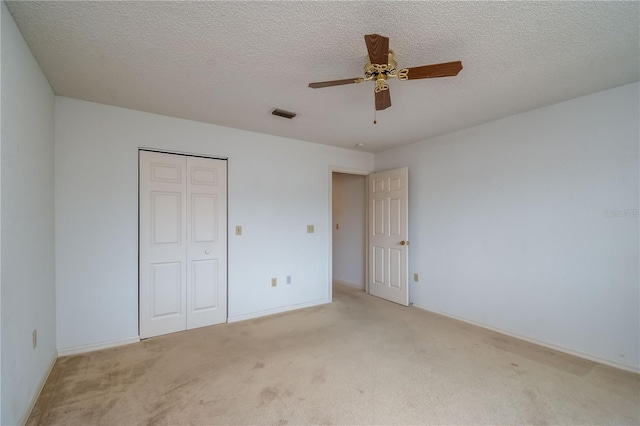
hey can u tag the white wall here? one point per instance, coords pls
(349, 203)
(277, 187)
(27, 241)
(509, 225)
(3, 10)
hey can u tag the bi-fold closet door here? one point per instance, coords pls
(182, 242)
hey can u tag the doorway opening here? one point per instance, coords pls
(349, 222)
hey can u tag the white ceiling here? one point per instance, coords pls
(230, 63)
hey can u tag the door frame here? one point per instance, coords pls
(349, 171)
(189, 154)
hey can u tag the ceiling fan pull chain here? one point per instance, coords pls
(374, 117)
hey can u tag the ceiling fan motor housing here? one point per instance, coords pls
(379, 72)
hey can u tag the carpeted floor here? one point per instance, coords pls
(359, 360)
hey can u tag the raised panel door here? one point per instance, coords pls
(388, 234)
(162, 244)
(183, 242)
(207, 242)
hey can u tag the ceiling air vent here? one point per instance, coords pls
(282, 113)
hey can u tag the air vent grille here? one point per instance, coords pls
(282, 113)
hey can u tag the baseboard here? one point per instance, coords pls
(277, 310)
(97, 346)
(621, 366)
(36, 395)
(348, 284)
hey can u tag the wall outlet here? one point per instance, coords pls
(416, 277)
(34, 338)
(310, 229)
(288, 279)
(274, 282)
(238, 230)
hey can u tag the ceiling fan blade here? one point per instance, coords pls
(447, 69)
(321, 84)
(383, 100)
(378, 48)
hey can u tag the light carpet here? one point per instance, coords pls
(358, 360)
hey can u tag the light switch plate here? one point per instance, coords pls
(310, 229)
(238, 230)
(416, 277)
(274, 282)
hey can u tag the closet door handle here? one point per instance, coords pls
(207, 251)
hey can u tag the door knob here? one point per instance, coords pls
(207, 251)
(404, 243)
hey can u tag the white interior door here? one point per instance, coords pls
(163, 245)
(183, 243)
(207, 242)
(388, 235)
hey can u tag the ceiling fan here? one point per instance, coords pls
(382, 66)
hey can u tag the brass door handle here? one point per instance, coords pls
(404, 243)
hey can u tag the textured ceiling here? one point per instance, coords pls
(231, 63)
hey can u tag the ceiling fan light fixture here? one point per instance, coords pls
(282, 113)
(382, 66)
